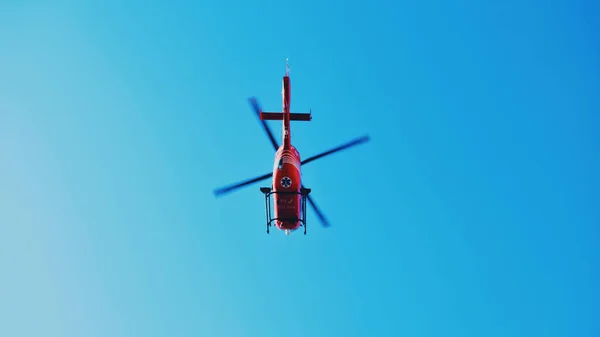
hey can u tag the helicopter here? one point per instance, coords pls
(289, 195)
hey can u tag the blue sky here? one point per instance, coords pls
(473, 211)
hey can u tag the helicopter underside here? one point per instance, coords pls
(286, 221)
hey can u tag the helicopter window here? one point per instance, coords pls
(280, 164)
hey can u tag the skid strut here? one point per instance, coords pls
(268, 192)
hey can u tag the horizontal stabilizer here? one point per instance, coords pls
(278, 116)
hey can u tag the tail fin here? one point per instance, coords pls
(278, 116)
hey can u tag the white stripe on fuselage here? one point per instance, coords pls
(287, 157)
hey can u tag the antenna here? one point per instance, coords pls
(287, 67)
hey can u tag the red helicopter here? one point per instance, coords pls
(289, 194)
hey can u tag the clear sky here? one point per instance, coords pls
(473, 211)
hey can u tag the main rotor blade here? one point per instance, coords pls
(223, 190)
(254, 102)
(324, 221)
(355, 142)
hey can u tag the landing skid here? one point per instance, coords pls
(268, 192)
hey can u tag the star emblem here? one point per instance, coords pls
(286, 182)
